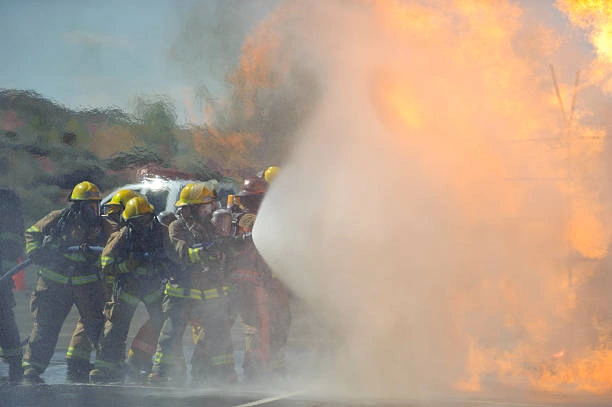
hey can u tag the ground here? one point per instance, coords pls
(304, 343)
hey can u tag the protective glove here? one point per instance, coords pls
(83, 248)
(48, 252)
(207, 256)
(135, 261)
(50, 242)
(216, 256)
(89, 254)
(38, 256)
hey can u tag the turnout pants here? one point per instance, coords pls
(262, 302)
(50, 304)
(79, 350)
(119, 313)
(140, 355)
(9, 333)
(213, 356)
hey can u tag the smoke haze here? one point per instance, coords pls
(437, 210)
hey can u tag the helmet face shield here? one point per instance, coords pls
(110, 209)
(222, 220)
(250, 203)
(89, 210)
(166, 217)
(204, 210)
(141, 221)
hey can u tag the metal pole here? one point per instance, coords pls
(568, 138)
(567, 124)
(552, 71)
(571, 119)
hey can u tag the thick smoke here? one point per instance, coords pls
(210, 35)
(436, 203)
(234, 66)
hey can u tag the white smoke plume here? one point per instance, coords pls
(433, 205)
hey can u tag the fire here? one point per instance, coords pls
(478, 269)
(234, 128)
(255, 71)
(595, 17)
(587, 232)
(404, 106)
(559, 354)
(226, 151)
(591, 373)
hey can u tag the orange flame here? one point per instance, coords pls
(595, 17)
(403, 104)
(475, 124)
(261, 66)
(229, 152)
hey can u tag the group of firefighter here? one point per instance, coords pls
(196, 266)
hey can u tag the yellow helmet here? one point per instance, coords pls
(195, 194)
(270, 174)
(118, 201)
(137, 206)
(85, 191)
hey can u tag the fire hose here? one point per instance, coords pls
(17, 268)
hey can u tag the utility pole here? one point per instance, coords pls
(567, 140)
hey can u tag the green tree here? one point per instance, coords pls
(157, 118)
(78, 128)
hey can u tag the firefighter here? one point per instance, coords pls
(11, 251)
(78, 354)
(135, 256)
(196, 292)
(66, 276)
(143, 347)
(259, 297)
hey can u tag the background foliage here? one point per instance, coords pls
(45, 148)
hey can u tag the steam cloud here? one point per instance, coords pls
(434, 203)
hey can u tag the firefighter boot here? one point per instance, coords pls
(134, 373)
(101, 376)
(77, 370)
(175, 376)
(32, 376)
(157, 379)
(15, 372)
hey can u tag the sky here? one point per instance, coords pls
(92, 54)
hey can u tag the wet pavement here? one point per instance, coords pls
(57, 392)
(119, 396)
(305, 343)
